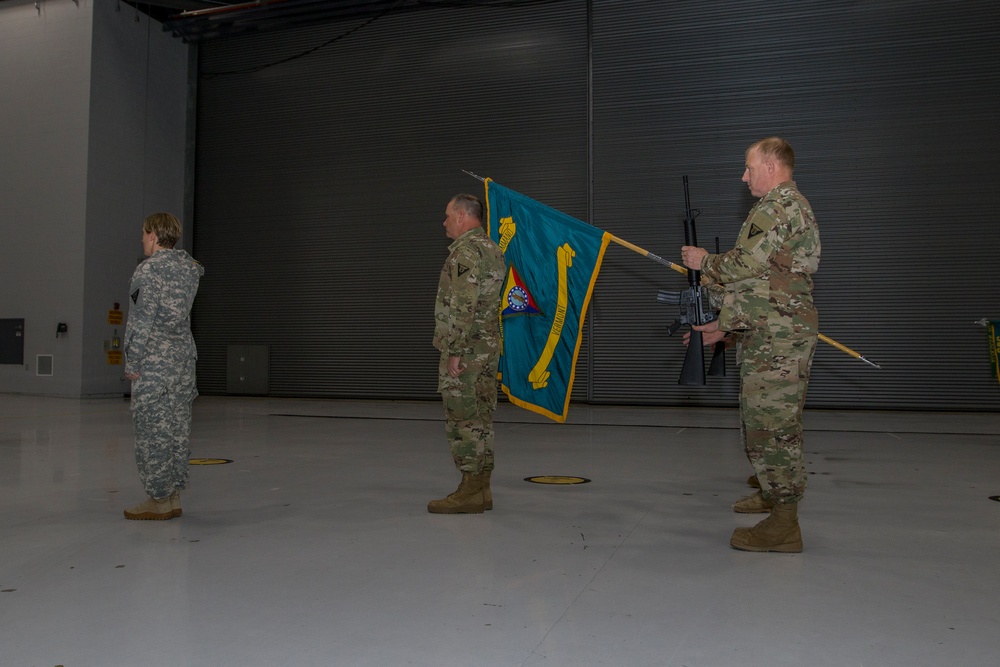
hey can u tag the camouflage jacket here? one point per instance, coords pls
(466, 312)
(767, 278)
(158, 331)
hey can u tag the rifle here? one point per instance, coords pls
(695, 310)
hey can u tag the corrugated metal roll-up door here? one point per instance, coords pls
(892, 110)
(322, 181)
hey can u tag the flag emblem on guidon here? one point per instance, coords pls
(517, 299)
(552, 264)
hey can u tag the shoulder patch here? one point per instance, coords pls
(135, 295)
(462, 269)
(754, 231)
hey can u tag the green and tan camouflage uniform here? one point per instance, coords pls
(467, 326)
(767, 300)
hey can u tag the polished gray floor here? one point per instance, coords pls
(314, 547)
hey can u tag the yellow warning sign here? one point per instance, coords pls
(115, 317)
(114, 357)
(556, 479)
(208, 462)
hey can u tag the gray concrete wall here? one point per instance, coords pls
(138, 126)
(44, 119)
(93, 135)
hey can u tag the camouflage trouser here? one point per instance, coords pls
(161, 416)
(469, 402)
(774, 377)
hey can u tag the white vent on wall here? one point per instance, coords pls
(43, 364)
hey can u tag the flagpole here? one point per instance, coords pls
(645, 253)
(844, 348)
(680, 269)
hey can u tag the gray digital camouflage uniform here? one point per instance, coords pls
(466, 316)
(160, 348)
(767, 300)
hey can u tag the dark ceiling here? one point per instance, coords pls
(197, 20)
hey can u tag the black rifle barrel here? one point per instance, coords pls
(690, 235)
(693, 370)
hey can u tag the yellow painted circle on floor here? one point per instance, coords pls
(208, 462)
(556, 479)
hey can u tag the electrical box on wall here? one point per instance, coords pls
(248, 369)
(43, 364)
(12, 341)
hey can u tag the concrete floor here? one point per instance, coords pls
(314, 547)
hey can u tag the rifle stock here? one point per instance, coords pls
(693, 370)
(718, 366)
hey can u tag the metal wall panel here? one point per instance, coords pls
(892, 110)
(322, 182)
(12, 340)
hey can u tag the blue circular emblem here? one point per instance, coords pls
(517, 298)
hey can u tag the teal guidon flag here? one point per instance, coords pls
(552, 264)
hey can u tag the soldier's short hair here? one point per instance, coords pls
(775, 148)
(470, 204)
(166, 227)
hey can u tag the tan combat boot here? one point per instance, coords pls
(753, 482)
(175, 503)
(467, 498)
(151, 509)
(755, 503)
(487, 493)
(778, 532)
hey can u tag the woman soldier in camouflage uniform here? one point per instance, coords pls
(160, 360)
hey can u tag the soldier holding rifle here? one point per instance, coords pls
(767, 300)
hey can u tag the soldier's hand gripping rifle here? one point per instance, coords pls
(695, 310)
